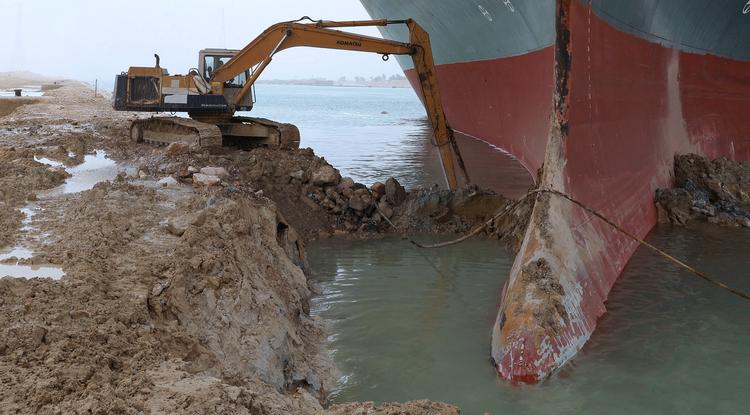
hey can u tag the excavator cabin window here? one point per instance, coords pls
(212, 62)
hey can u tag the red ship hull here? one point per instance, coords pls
(604, 110)
(505, 102)
(629, 107)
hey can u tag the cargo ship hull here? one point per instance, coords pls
(495, 72)
(619, 90)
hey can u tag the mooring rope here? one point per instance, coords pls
(640, 241)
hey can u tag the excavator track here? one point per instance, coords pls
(152, 89)
(163, 131)
(234, 132)
(281, 135)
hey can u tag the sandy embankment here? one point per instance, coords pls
(178, 299)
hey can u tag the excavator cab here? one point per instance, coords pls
(224, 80)
(209, 60)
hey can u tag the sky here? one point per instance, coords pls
(97, 39)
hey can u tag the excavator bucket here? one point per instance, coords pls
(223, 81)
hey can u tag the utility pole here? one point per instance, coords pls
(96, 86)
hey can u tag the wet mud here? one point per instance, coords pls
(317, 201)
(185, 286)
(8, 104)
(714, 191)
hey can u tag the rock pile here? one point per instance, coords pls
(717, 191)
(445, 211)
(319, 202)
(361, 208)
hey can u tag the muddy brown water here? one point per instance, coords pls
(408, 324)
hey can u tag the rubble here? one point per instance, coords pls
(176, 149)
(205, 179)
(318, 202)
(168, 181)
(394, 192)
(716, 191)
(326, 175)
(214, 171)
(423, 407)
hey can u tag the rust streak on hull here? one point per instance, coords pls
(631, 105)
(605, 111)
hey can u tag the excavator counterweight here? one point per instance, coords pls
(222, 83)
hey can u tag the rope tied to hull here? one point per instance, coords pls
(512, 206)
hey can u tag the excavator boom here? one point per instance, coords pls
(258, 54)
(213, 93)
(292, 34)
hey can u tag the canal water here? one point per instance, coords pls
(26, 91)
(371, 134)
(408, 324)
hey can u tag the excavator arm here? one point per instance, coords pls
(259, 53)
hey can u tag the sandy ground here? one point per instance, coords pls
(179, 298)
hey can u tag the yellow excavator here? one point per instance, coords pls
(223, 84)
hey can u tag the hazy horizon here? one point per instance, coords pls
(88, 39)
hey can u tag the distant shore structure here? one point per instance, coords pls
(383, 81)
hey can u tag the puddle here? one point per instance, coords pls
(45, 160)
(94, 169)
(18, 252)
(31, 271)
(26, 271)
(68, 128)
(28, 213)
(26, 91)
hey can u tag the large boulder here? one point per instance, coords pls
(205, 179)
(176, 149)
(326, 175)
(357, 203)
(346, 183)
(385, 209)
(215, 171)
(168, 181)
(378, 189)
(395, 194)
